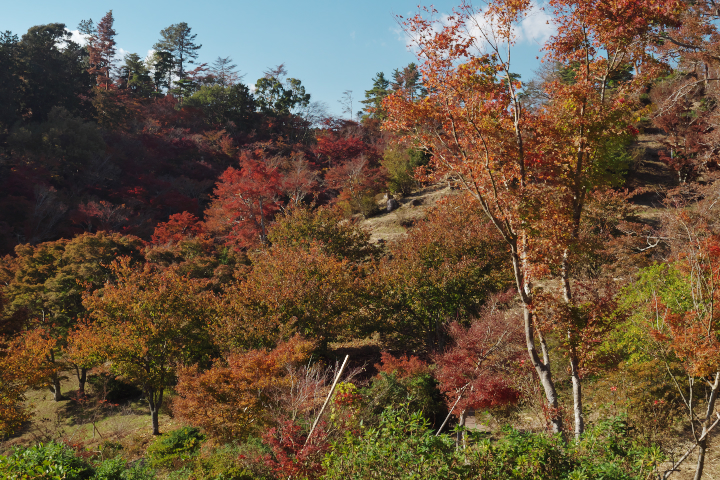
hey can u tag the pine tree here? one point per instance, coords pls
(374, 97)
(178, 41)
(408, 80)
(135, 76)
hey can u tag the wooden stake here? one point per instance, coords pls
(327, 400)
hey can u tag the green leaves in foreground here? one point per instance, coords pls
(402, 447)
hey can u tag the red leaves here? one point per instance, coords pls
(403, 367)
(479, 365)
(334, 149)
(245, 201)
(358, 182)
(178, 227)
(291, 457)
(102, 215)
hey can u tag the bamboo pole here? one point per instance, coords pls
(462, 391)
(327, 400)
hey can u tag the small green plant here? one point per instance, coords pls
(119, 469)
(233, 462)
(44, 461)
(175, 447)
(605, 452)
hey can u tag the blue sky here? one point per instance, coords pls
(330, 45)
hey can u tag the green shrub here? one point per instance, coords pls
(233, 462)
(606, 452)
(118, 469)
(49, 461)
(400, 164)
(57, 461)
(175, 447)
(401, 447)
(526, 456)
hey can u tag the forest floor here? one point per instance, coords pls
(123, 423)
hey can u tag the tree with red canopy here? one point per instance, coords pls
(245, 200)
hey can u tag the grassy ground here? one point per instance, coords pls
(391, 226)
(88, 424)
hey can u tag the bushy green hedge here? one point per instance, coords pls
(57, 461)
(45, 461)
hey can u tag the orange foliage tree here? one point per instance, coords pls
(530, 172)
(231, 399)
(50, 278)
(291, 289)
(143, 326)
(24, 363)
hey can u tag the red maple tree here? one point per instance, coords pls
(245, 201)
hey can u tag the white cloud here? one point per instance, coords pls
(120, 55)
(537, 26)
(77, 37)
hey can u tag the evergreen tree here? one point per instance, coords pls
(374, 97)
(409, 80)
(10, 82)
(276, 95)
(53, 71)
(161, 64)
(135, 76)
(179, 41)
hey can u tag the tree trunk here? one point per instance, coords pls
(543, 371)
(577, 397)
(542, 367)
(460, 436)
(82, 380)
(574, 362)
(155, 400)
(155, 424)
(702, 444)
(55, 388)
(57, 395)
(81, 374)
